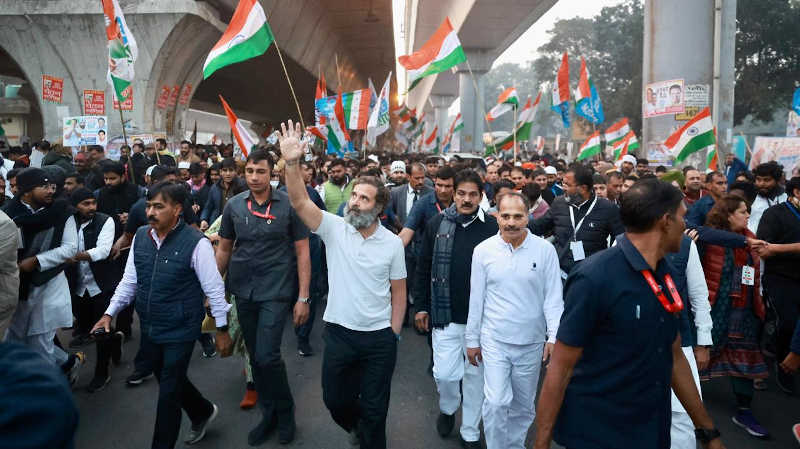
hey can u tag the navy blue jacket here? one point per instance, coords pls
(696, 215)
(169, 297)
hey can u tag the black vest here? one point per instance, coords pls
(106, 272)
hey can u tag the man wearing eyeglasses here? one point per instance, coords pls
(264, 248)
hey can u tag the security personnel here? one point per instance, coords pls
(264, 248)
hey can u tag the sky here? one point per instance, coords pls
(524, 48)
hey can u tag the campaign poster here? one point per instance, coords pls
(163, 97)
(127, 105)
(784, 150)
(793, 125)
(173, 96)
(85, 130)
(695, 99)
(94, 102)
(187, 91)
(52, 88)
(663, 97)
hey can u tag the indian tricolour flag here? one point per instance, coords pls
(507, 100)
(243, 137)
(524, 125)
(617, 131)
(337, 132)
(430, 143)
(591, 147)
(122, 50)
(456, 126)
(626, 145)
(697, 134)
(441, 52)
(247, 36)
(356, 107)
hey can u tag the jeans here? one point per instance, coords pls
(262, 324)
(357, 370)
(170, 361)
(316, 288)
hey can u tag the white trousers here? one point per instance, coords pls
(451, 366)
(41, 343)
(511, 375)
(682, 429)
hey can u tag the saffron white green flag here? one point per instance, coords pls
(617, 131)
(247, 36)
(591, 147)
(122, 50)
(507, 100)
(441, 52)
(697, 134)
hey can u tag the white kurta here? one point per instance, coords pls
(49, 306)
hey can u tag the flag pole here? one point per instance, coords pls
(291, 88)
(480, 100)
(514, 132)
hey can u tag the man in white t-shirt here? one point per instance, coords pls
(366, 299)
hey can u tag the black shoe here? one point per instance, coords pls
(785, 381)
(98, 383)
(137, 378)
(304, 349)
(470, 444)
(444, 424)
(209, 349)
(286, 428)
(260, 434)
(80, 340)
(116, 349)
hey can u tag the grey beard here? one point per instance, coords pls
(360, 220)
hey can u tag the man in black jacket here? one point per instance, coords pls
(581, 223)
(92, 278)
(446, 256)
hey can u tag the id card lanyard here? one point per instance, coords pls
(572, 219)
(672, 307)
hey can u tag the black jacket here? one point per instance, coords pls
(107, 273)
(603, 222)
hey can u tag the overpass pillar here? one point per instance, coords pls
(440, 105)
(679, 44)
(472, 107)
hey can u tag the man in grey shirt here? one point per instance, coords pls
(264, 248)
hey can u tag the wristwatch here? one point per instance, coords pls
(304, 300)
(223, 328)
(704, 436)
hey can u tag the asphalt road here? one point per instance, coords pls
(122, 418)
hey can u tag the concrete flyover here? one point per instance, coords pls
(65, 38)
(486, 28)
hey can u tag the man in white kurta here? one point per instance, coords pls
(514, 308)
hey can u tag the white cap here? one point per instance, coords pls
(150, 170)
(373, 158)
(629, 158)
(550, 170)
(184, 164)
(398, 166)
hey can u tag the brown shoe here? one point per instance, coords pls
(250, 399)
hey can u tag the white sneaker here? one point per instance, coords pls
(198, 430)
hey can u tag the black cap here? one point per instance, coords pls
(30, 178)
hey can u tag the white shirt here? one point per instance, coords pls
(760, 204)
(516, 294)
(359, 271)
(204, 265)
(410, 198)
(698, 297)
(105, 239)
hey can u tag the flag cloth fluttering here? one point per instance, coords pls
(321, 92)
(697, 134)
(591, 147)
(431, 143)
(587, 100)
(122, 50)
(626, 145)
(617, 131)
(379, 119)
(456, 126)
(712, 160)
(524, 125)
(355, 105)
(337, 132)
(441, 52)
(507, 100)
(559, 100)
(243, 137)
(247, 36)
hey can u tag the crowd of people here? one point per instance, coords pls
(627, 285)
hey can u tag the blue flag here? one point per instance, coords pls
(796, 101)
(563, 109)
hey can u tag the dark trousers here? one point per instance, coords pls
(357, 370)
(316, 288)
(125, 320)
(783, 295)
(262, 324)
(90, 309)
(170, 361)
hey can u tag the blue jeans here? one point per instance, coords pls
(170, 361)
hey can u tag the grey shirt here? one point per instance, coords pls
(263, 265)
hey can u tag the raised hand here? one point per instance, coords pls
(292, 148)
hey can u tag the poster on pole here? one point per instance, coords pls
(663, 97)
(695, 99)
(793, 125)
(52, 88)
(163, 97)
(94, 102)
(784, 150)
(187, 91)
(85, 130)
(127, 105)
(173, 96)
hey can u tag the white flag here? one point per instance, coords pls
(379, 118)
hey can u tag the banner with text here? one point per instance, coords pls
(94, 102)
(52, 89)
